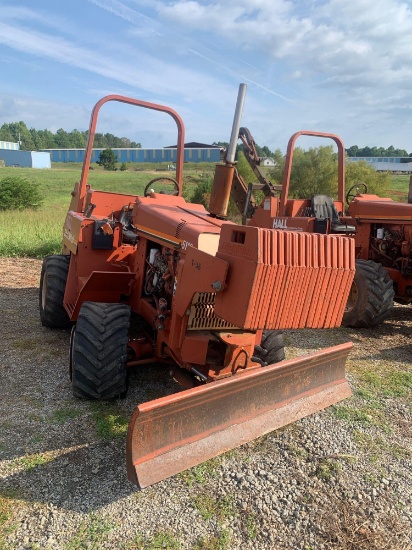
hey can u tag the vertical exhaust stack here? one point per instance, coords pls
(222, 182)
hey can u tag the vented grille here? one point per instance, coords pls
(179, 228)
(202, 313)
(285, 279)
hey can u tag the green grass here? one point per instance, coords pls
(376, 447)
(399, 187)
(384, 380)
(109, 423)
(251, 526)
(161, 539)
(326, 469)
(9, 503)
(37, 233)
(30, 462)
(210, 507)
(214, 542)
(61, 416)
(90, 534)
(202, 473)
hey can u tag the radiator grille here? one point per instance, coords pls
(202, 313)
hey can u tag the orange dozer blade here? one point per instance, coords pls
(170, 434)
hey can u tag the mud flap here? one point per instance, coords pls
(174, 433)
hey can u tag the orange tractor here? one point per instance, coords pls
(152, 278)
(383, 237)
(381, 228)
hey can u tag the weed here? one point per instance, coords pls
(109, 422)
(369, 396)
(202, 473)
(8, 504)
(296, 450)
(90, 534)
(397, 451)
(62, 415)
(35, 417)
(352, 415)
(383, 381)
(25, 344)
(372, 480)
(375, 446)
(161, 539)
(36, 439)
(251, 526)
(219, 542)
(391, 384)
(209, 507)
(326, 469)
(32, 461)
(6, 507)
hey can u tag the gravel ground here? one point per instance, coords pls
(338, 479)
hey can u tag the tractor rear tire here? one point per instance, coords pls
(99, 351)
(53, 280)
(271, 349)
(371, 297)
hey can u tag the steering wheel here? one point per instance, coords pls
(360, 189)
(165, 179)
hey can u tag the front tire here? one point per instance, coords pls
(53, 280)
(271, 349)
(371, 297)
(99, 351)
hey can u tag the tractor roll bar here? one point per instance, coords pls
(289, 159)
(139, 103)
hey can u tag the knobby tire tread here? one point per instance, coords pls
(100, 351)
(55, 270)
(271, 349)
(377, 303)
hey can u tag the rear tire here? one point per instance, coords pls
(99, 351)
(53, 280)
(371, 297)
(271, 349)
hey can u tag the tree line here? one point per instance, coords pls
(355, 151)
(35, 140)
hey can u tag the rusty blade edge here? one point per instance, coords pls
(176, 460)
(147, 465)
(309, 360)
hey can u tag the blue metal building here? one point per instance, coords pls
(12, 156)
(9, 145)
(386, 164)
(199, 154)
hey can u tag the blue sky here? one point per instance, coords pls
(328, 65)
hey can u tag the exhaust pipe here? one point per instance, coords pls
(231, 150)
(223, 178)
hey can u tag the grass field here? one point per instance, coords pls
(36, 233)
(400, 186)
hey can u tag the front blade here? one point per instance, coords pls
(173, 433)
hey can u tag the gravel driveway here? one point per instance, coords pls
(338, 479)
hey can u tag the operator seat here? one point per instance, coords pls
(324, 209)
